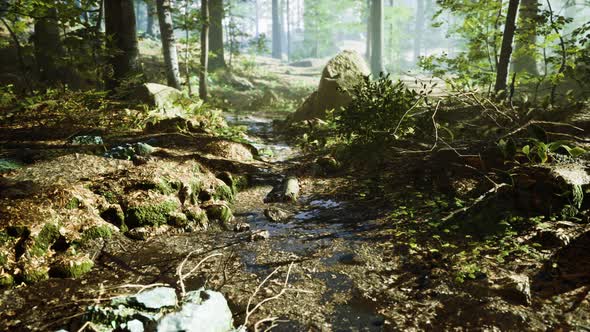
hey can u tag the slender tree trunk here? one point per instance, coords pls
(526, 39)
(48, 46)
(204, 49)
(216, 35)
(369, 28)
(168, 43)
(277, 48)
(288, 32)
(120, 27)
(150, 27)
(377, 37)
(419, 29)
(506, 50)
(257, 18)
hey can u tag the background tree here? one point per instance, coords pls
(48, 45)
(419, 29)
(150, 26)
(376, 37)
(168, 43)
(122, 40)
(506, 50)
(204, 49)
(216, 35)
(277, 48)
(526, 38)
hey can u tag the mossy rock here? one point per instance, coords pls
(223, 193)
(97, 232)
(6, 280)
(235, 182)
(178, 219)
(34, 274)
(161, 186)
(45, 239)
(73, 204)
(197, 216)
(71, 268)
(222, 213)
(155, 214)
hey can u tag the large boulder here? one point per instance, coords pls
(160, 97)
(341, 74)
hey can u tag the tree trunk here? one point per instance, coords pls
(120, 27)
(506, 50)
(377, 37)
(204, 49)
(168, 43)
(216, 35)
(256, 9)
(419, 30)
(288, 21)
(526, 39)
(48, 46)
(277, 48)
(150, 27)
(369, 28)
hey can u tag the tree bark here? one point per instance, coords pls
(526, 40)
(168, 43)
(419, 29)
(377, 37)
(150, 27)
(48, 46)
(204, 50)
(288, 24)
(369, 28)
(122, 41)
(216, 35)
(506, 50)
(277, 48)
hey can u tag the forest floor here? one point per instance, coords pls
(356, 247)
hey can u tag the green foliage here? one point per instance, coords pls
(380, 112)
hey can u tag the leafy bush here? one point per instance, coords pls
(380, 112)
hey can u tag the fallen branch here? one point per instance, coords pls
(283, 291)
(182, 277)
(477, 201)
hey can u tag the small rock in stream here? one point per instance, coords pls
(259, 235)
(242, 227)
(155, 298)
(276, 215)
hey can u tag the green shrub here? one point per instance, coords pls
(380, 112)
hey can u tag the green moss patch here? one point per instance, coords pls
(97, 232)
(155, 214)
(35, 274)
(6, 280)
(223, 192)
(48, 235)
(73, 204)
(222, 213)
(73, 268)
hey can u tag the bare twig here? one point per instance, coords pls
(538, 122)
(182, 276)
(285, 289)
(477, 201)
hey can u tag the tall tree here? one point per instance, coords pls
(277, 48)
(120, 27)
(288, 24)
(506, 50)
(369, 28)
(150, 25)
(419, 29)
(376, 37)
(526, 38)
(48, 45)
(216, 35)
(204, 49)
(168, 43)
